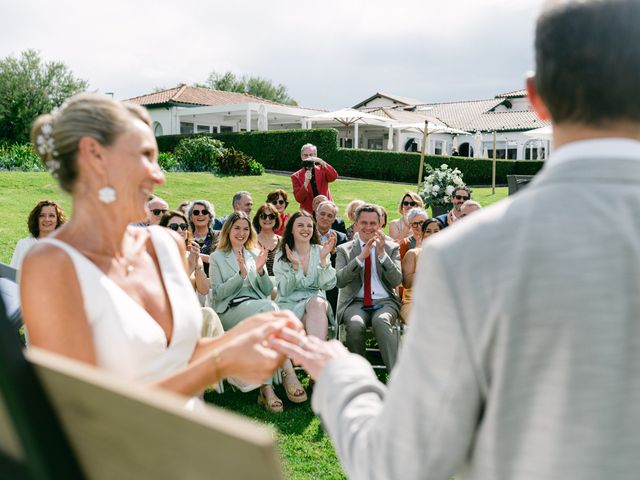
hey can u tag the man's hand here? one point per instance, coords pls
(366, 250)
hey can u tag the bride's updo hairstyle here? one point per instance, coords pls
(55, 136)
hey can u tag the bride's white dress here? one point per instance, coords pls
(127, 340)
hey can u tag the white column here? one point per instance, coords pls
(355, 135)
(248, 125)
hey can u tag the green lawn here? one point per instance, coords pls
(306, 450)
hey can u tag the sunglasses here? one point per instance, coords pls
(461, 197)
(408, 204)
(176, 226)
(278, 202)
(268, 216)
(197, 213)
(158, 211)
(417, 224)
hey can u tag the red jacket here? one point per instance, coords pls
(304, 196)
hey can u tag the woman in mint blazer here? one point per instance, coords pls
(241, 287)
(303, 272)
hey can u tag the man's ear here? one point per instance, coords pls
(92, 154)
(535, 101)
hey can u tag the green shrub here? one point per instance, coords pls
(235, 162)
(199, 153)
(19, 157)
(168, 162)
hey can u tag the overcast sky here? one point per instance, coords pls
(329, 53)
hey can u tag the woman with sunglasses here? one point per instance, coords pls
(177, 221)
(241, 288)
(266, 222)
(416, 218)
(279, 199)
(201, 216)
(410, 265)
(303, 272)
(400, 228)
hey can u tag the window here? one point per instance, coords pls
(186, 128)
(375, 143)
(437, 147)
(225, 129)
(157, 129)
(534, 150)
(504, 150)
(203, 129)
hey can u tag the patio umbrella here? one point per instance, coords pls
(477, 145)
(427, 128)
(351, 116)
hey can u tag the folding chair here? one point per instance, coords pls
(373, 353)
(62, 419)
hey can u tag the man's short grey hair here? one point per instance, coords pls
(328, 203)
(470, 203)
(309, 145)
(237, 197)
(414, 212)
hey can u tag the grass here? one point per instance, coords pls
(306, 450)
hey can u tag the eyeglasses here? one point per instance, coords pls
(197, 213)
(278, 202)
(461, 197)
(176, 226)
(417, 224)
(158, 211)
(408, 204)
(268, 216)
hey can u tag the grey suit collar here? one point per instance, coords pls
(590, 170)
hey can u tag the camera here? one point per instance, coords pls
(308, 164)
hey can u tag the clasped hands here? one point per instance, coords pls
(377, 240)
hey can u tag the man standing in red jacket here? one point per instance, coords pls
(313, 178)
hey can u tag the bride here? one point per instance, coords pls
(118, 296)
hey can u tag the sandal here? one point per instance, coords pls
(273, 405)
(293, 388)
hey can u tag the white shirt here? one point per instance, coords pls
(377, 289)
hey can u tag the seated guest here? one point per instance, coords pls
(115, 296)
(266, 221)
(469, 207)
(410, 266)
(416, 218)
(177, 221)
(352, 206)
(241, 202)
(368, 271)
(241, 288)
(400, 228)
(303, 272)
(201, 216)
(184, 207)
(157, 207)
(279, 199)
(45, 217)
(326, 213)
(458, 197)
(338, 224)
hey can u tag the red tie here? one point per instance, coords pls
(367, 281)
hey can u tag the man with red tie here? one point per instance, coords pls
(312, 179)
(368, 271)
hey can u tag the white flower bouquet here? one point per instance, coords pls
(439, 185)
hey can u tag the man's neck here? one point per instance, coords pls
(564, 133)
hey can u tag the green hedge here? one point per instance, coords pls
(280, 150)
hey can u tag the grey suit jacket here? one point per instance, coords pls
(522, 360)
(349, 273)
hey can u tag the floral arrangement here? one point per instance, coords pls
(439, 185)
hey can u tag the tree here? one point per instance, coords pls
(30, 87)
(258, 86)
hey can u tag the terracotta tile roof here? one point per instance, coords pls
(514, 94)
(196, 96)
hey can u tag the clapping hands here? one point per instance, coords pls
(261, 260)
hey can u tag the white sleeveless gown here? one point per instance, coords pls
(127, 340)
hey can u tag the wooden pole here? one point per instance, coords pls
(425, 138)
(493, 170)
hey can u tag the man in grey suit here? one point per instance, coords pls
(523, 356)
(371, 301)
